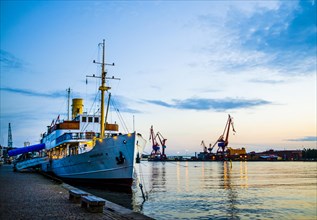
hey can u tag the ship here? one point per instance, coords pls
(86, 149)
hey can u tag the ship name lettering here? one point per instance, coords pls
(96, 155)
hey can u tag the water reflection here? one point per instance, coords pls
(203, 170)
(186, 177)
(224, 190)
(207, 179)
(231, 193)
(178, 175)
(233, 178)
(244, 174)
(158, 177)
(239, 176)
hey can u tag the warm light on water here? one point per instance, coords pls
(221, 190)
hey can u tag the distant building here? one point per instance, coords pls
(4, 154)
(290, 154)
(278, 155)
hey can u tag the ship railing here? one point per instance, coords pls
(76, 136)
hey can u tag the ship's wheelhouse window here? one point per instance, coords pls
(96, 120)
(89, 119)
(84, 119)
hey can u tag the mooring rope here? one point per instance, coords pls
(142, 183)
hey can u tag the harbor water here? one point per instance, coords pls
(223, 190)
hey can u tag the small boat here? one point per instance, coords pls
(87, 149)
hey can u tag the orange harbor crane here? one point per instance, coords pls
(209, 148)
(223, 140)
(156, 153)
(162, 141)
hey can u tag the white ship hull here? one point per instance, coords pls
(110, 162)
(77, 150)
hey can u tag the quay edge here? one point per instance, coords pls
(28, 195)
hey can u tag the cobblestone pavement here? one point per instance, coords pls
(29, 195)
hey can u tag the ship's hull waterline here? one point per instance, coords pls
(110, 163)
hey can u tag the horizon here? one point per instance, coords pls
(184, 66)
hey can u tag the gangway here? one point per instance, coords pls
(26, 161)
(22, 150)
(30, 163)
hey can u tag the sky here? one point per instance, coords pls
(183, 67)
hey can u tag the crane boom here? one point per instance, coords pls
(162, 141)
(229, 122)
(203, 144)
(152, 137)
(223, 140)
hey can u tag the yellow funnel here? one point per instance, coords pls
(77, 107)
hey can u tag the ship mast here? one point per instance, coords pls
(103, 88)
(68, 98)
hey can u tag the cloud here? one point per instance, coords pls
(281, 38)
(118, 103)
(207, 104)
(307, 138)
(129, 110)
(267, 81)
(286, 36)
(54, 94)
(206, 90)
(161, 103)
(19, 115)
(291, 25)
(8, 60)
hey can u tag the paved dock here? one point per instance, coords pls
(30, 195)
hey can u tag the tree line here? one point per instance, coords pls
(309, 154)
